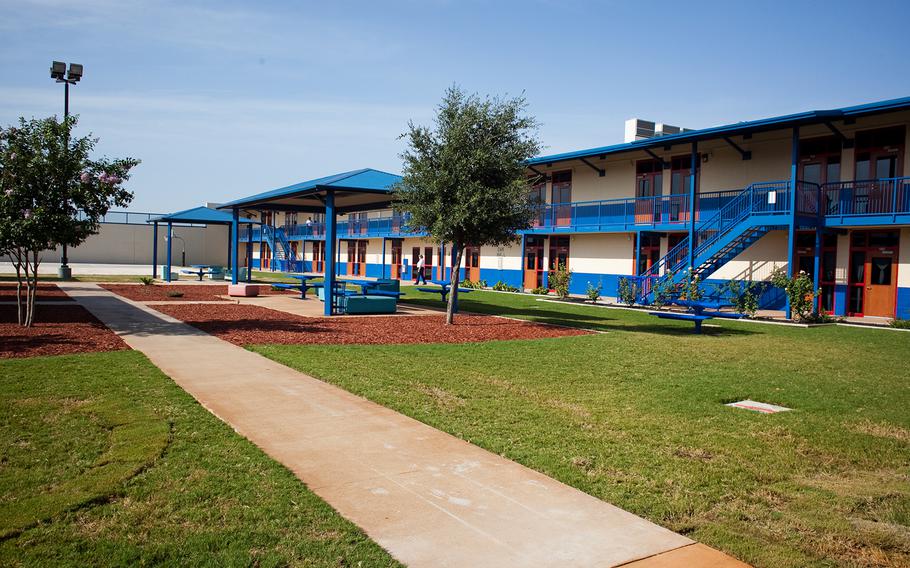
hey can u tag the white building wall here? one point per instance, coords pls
(602, 254)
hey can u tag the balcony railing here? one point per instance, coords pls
(887, 196)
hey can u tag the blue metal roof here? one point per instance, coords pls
(365, 180)
(813, 116)
(199, 215)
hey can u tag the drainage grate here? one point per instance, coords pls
(762, 407)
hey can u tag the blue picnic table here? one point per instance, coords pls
(303, 286)
(200, 270)
(698, 311)
(443, 290)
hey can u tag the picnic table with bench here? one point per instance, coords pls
(443, 290)
(303, 286)
(375, 296)
(201, 270)
(698, 311)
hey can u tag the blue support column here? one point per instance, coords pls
(524, 260)
(230, 242)
(692, 184)
(331, 232)
(383, 258)
(249, 256)
(167, 274)
(546, 265)
(637, 252)
(155, 249)
(791, 225)
(235, 238)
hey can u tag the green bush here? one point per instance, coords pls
(479, 285)
(540, 290)
(665, 290)
(501, 286)
(560, 279)
(146, 280)
(593, 292)
(174, 294)
(627, 291)
(800, 291)
(744, 295)
(900, 323)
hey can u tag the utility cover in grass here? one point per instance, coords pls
(762, 407)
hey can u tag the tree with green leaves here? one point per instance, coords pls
(464, 179)
(52, 193)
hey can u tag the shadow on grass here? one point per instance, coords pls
(551, 314)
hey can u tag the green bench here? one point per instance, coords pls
(370, 305)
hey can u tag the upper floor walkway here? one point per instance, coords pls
(874, 202)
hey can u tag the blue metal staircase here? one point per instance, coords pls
(740, 223)
(280, 247)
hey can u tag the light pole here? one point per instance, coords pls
(71, 77)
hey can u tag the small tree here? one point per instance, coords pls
(800, 291)
(559, 280)
(51, 194)
(464, 179)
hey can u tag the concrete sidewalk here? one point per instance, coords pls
(430, 499)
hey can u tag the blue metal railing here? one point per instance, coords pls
(124, 217)
(888, 196)
(765, 199)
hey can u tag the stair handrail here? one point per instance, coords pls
(708, 233)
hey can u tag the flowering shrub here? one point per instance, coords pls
(800, 292)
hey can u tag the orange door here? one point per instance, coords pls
(396, 259)
(533, 263)
(352, 259)
(361, 258)
(318, 256)
(648, 186)
(472, 263)
(561, 195)
(880, 290)
(872, 278)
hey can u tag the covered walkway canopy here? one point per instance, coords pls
(200, 216)
(339, 194)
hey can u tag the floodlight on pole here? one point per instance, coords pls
(71, 77)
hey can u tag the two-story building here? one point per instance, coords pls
(823, 190)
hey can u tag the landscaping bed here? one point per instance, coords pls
(246, 325)
(191, 292)
(46, 293)
(57, 330)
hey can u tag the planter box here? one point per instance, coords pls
(243, 290)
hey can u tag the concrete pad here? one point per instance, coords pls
(695, 555)
(429, 498)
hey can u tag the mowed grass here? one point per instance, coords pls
(105, 461)
(636, 416)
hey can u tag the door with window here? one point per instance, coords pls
(357, 258)
(872, 280)
(561, 198)
(648, 186)
(819, 163)
(265, 257)
(559, 253)
(472, 263)
(648, 252)
(539, 199)
(680, 178)
(427, 261)
(396, 259)
(318, 256)
(805, 262)
(533, 263)
(879, 159)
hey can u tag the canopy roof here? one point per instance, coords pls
(715, 132)
(357, 190)
(204, 215)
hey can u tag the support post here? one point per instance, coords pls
(791, 225)
(155, 249)
(331, 232)
(692, 209)
(230, 241)
(249, 256)
(235, 234)
(383, 259)
(170, 240)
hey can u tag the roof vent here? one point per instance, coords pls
(638, 129)
(666, 129)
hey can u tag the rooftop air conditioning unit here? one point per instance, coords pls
(666, 129)
(638, 129)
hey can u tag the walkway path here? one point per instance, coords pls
(430, 499)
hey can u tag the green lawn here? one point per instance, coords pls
(635, 416)
(105, 461)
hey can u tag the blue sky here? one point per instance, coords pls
(224, 99)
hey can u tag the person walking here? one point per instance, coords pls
(419, 272)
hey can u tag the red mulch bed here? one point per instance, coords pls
(191, 293)
(247, 325)
(58, 330)
(46, 293)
